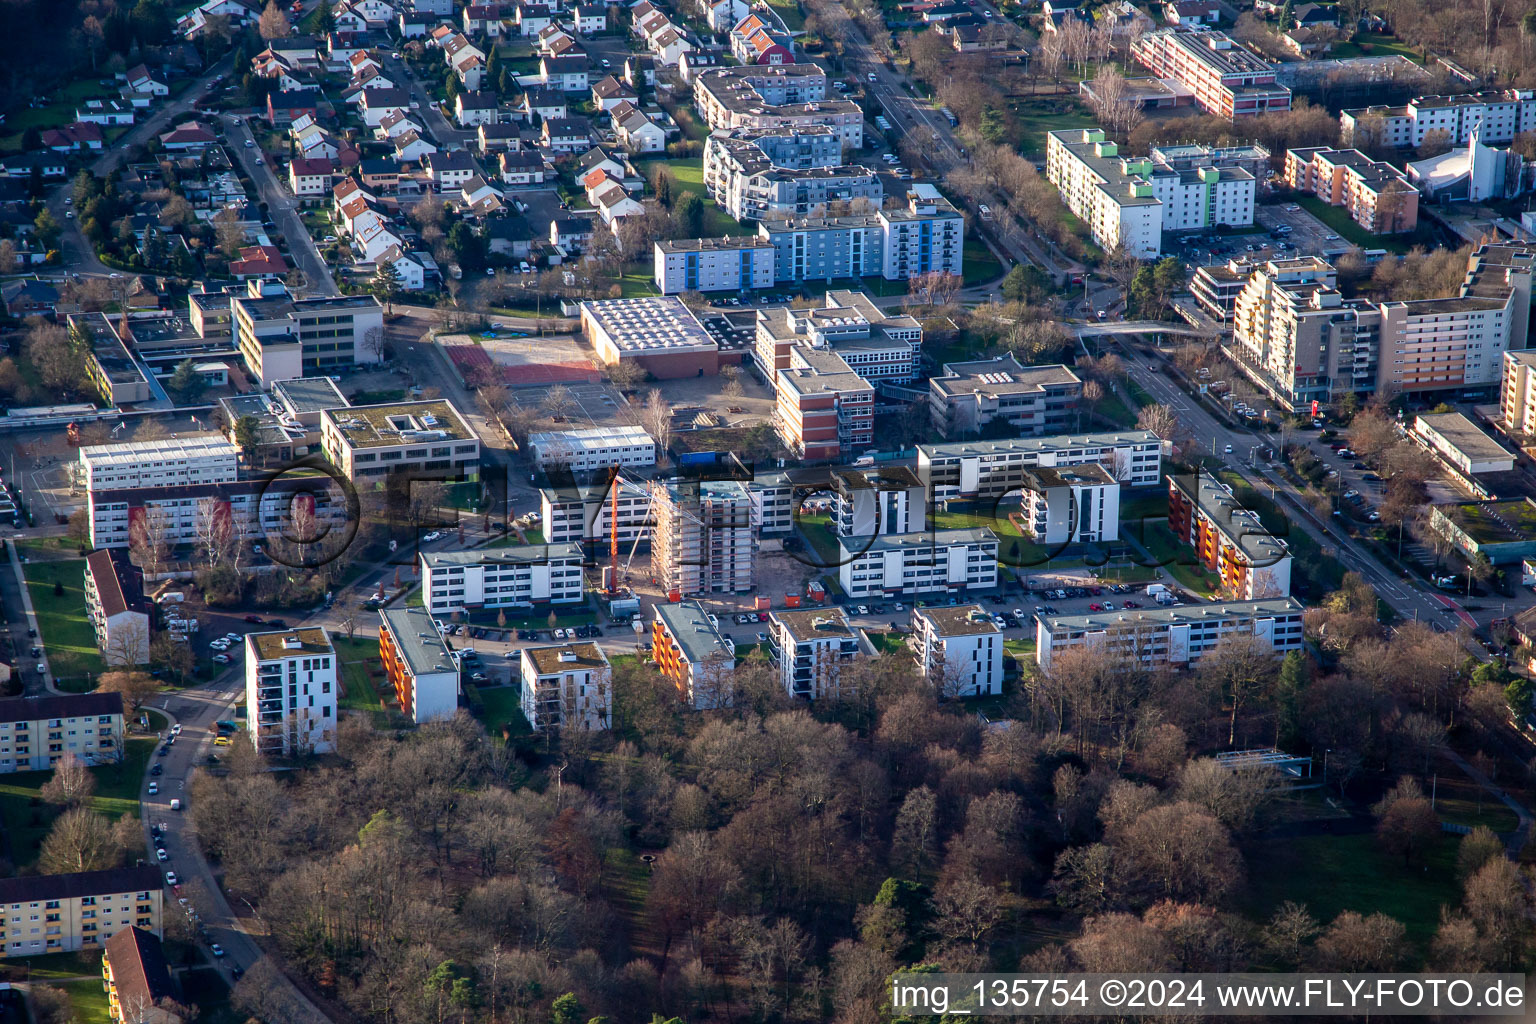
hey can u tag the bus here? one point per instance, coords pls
(949, 115)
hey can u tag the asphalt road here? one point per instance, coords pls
(282, 209)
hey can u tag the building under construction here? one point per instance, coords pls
(704, 540)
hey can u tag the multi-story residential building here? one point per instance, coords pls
(170, 462)
(959, 650)
(872, 503)
(772, 96)
(1130, 201)
(291, 692)
(822, 408)
(593, 448)
(1071, 505)
(990, 469)
(38, 732)
(813, 650)
(518, 576)
(1501, 115)
(1174, 636)
(138, 983)
(114, 374)
(427, 437)
(1517, 395)
(927, 236)
(418, 664)
(731, 264)
(873, 344)
(580, 512)
(1252, 563)
(241, 510)
(1033, 400)
(1216, 286)
(82, 910)
(566, 686)
(928, 562)
(114, 602)
(1292, 330)
(705, 539)
(1375, 194)
(690, 650)
(659, 334)
(281, 337)
(744, 175)
(1225, 78)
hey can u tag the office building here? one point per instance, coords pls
(704, 540)
(873, 344)
(822, 408)
(1131, 201)
(1461, 444)
(1228, 539)
(168, 462)
(291, 691)
(756, 175)
(430, 438)
(661, 335)
(913, 564)
(1223, 77)
(689, 649)
(281, 337)
(785, 95)
(731, 264)
(420, 668)
(137, 981)
(1173, 636)
(1500, 116)
(968, 397)
(1071, 505)
(114, 602)
(990, 469)
(814, 649)
(959, 650)
(1375, 194)
(114, 374)
(593, 448)
(1502, 530)
(83, 910)
(518, 576)
(38, 732)
(566, 686)
(1517, 395)
(876, 502)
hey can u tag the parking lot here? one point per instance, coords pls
(1308, 235)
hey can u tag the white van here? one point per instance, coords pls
(176, 803)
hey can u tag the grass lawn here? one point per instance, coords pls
(59, 112)
(88, 999)
(887, 643)
(65, 631)
(359, 691)
(1013, 548)
(1040, 114)
(51, 966)
(789, 11)
(1373, 44)
(637, 284)
(1177, 559)
(1341, 222)
(501, 706)
(979, 265)
(688, 176)
(1456, 801)
(1332, 874)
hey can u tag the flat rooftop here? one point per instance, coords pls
(924, 540)
(1494, 522)
(690, 628)
(548, 661)
(1001, 377)
(814, 623)
(1192, 615)
(1089, 474)
(1240, 526)
(514, 554)
(310, 394)
(274, 645)
(650, 325)
(418, 641)
(129, 453)
(1036, 445)
(728, 244)
(964, 620)
(1464, 435)
(592, 437)
(400, 423)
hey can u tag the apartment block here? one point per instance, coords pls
(197, 459)
(431, 439)
(518, 576)
(1375, 194)
(82, 910)
(38, 732)
(291, 692)
(281, 337)
(913, 564)
(1131, 201)
(1225, 78)
(878, 502)
(114, 602)
(689, 649)
(730, 264)
(773, 96)
(1228, 539)
(873, 344)
(990, 469)
(959, 650)
(249, 509)
(1216, 286)
(813, 649)
(705, 539)
(822, 408)
(418, 664)
(136, 978)
(1517, 395)
(593, 449)
(1177, 637)
(968, 397)
(1501, 116)
(1071, 505)
(756, 175)
(567, 686)
(578, 512)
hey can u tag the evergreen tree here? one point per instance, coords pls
(325, 17)
(35, 187)
(154, 248)
(689, 209)
(31, 139)
(247, 436)
(387, 285)
(182, 262)
(186, 383)
(1287, 17)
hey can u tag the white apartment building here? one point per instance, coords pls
(864, 338)
(64, 913)
(1517, 394)
(118, 612)
(967, 397)
(248, 509)
(1131, 201)
(757, 175)
(813, 648)
(594, 448)
(731, 264)
(571, 515)
(774, 96)
(373, 441)
(37, 732)
(520, 576)
(1502, 115)
(566, 686)
(928, 562)
(1071, 505)
(897, 244)
(959, 650)
(690, 650)
(1155, 637)
(990, 469)
(873, 503)
(419, 665)
(171, 462)
(291, 692)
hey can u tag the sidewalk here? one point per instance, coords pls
(26, 603)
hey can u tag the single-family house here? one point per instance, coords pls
(187, 136)
(375, 238)
(639, 134)
(508, 236)
(640, 70)
(567, 74)
(311, 177)
(566, 135)
(373, 104)
(381, 174)
(29, 297)
(451, 169)
(108, 112)
(669, 46)
(413, 147)
(472, 109)
(260, 263)
(73, 138)
(609, 92)
(283, 107)
(482, 20)
(397, 122)
(522, 168)
(591, 19)
(613, 204)
(493, 138)
(546, 103)
(139, 79)
(480, 197)
(532, 17)
(414, 24)
(571, 233)
(1191, 12)
(411, 267)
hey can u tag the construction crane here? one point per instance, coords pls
(613, 533)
